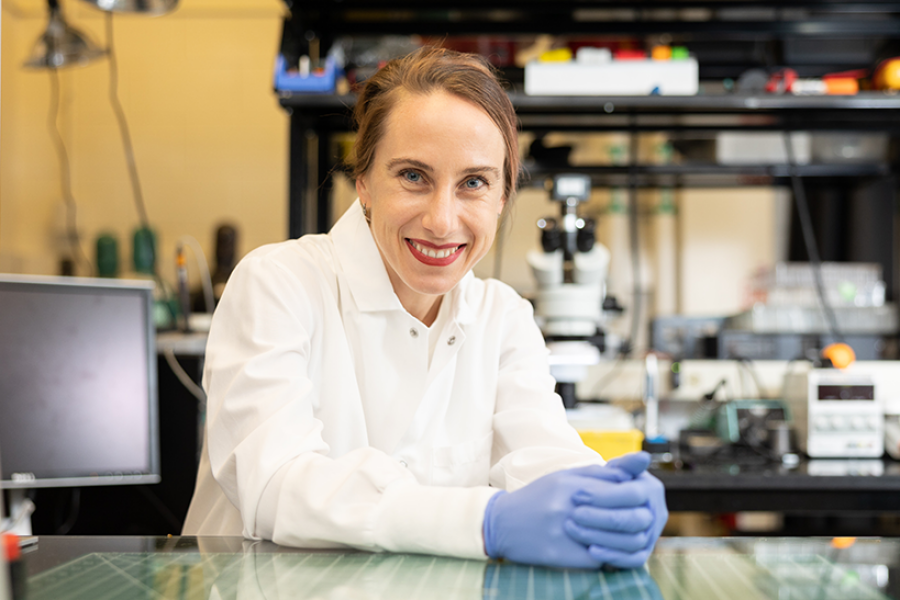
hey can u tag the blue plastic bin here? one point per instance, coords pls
(314, 83)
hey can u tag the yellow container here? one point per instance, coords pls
(611, 444)
(556, 55)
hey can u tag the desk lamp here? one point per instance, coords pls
(62, 45)
(153, 7)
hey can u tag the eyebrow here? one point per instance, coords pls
(394, 162)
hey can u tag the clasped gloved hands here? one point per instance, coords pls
(580, 518)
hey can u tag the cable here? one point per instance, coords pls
(203, 266)
(65, 175)
(183, 377)
(809, 238)
(129, 154)
(123, 124)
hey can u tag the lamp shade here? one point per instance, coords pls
(155, 7)
(61, 45)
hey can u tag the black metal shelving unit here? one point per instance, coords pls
(761, 34)
(728, 36)
(316, 118)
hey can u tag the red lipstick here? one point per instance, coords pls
(435, 262)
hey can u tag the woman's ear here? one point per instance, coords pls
(362, 191)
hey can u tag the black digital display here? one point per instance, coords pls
(846, 392)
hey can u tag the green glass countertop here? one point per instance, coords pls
(680, 569)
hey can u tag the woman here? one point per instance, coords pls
(366, 390)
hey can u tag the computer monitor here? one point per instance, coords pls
(78, 399)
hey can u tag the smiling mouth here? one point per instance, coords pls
(435, 252)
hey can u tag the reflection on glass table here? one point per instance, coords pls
(681, 569)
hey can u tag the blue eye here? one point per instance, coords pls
(412, 176)
(474, 183)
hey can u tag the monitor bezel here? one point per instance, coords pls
(144, 289)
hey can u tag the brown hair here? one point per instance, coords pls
(426, 70)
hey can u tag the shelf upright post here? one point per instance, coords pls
(326, 166)
(299, 170)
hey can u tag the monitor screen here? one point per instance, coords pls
(78, 401)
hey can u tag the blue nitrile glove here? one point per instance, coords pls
(617, 532)
(527, 526)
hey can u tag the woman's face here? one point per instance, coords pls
(434, 192)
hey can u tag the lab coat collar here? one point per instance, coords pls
(367, 276)
(361, 263)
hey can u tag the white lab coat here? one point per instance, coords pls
(326, 427)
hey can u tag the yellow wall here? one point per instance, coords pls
(210, 140)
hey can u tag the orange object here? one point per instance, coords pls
(887, 76)
(842, 543)
(661, 53)
(841, 86)
(11, 547)
(841, 355)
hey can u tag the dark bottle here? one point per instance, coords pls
(226, 257)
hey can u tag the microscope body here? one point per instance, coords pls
(570, 271)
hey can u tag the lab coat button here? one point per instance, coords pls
(452, 340)
(403, 462)
(413, 332)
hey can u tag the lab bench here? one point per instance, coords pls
(68, 568)
(813, 487)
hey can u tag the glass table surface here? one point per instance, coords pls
(680, 569)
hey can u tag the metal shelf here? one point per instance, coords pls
(705, 103)
(709, 29)
(703, 175)
(711, 19)
(715, 112)
(755, 170)
(526, 104)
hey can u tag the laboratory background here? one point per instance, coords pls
(706, 225)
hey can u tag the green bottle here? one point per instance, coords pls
(143, 261)
(107, 257)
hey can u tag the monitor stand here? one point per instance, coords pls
(18, 502)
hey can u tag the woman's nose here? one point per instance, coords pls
(440, 216)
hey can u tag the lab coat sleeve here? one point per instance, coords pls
(265, 445)
(532, 436)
